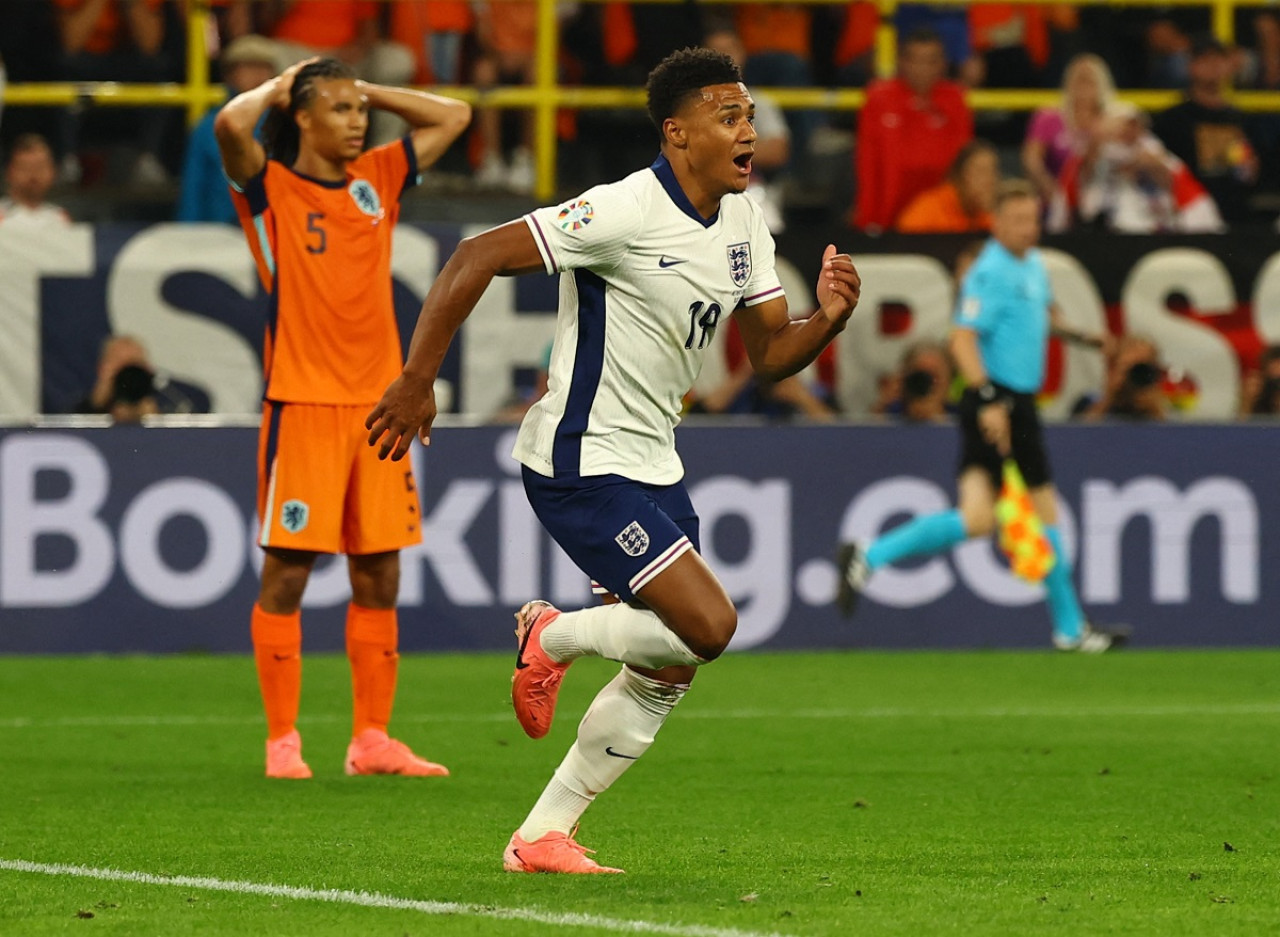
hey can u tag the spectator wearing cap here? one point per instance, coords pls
(246, 63)
(1210, 135)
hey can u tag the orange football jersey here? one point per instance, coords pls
(323, 251)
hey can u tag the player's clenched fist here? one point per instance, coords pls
(838, 285)
(407, 408)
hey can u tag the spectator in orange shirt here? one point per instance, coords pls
(776, 38)
(909, 132)
(114, 40)
(434, 30)
(855, 48)
(347, 30)
(963, 203)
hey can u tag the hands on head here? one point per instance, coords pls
(284, 82)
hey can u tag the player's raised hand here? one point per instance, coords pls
(407, 408)
(838, 285)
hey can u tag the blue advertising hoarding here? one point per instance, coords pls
(141, 538)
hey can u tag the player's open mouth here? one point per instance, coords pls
(743, 162)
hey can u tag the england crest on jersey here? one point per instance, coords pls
(740, 262)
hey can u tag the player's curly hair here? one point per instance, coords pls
(280, 135)
(680, 76)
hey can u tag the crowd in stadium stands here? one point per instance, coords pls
(915, 158)
(1193, 167)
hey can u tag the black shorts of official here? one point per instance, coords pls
(1025, 432)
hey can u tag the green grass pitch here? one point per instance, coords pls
(982, 793)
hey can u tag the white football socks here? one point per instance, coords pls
(621, 632)
(618, 728)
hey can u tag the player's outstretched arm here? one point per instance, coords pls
(779, 346)
(408, 407)
(242, 155)
(435, 121)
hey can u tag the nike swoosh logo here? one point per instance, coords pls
(284, 656)
(663, 262)
(608, 750)
(520, 664)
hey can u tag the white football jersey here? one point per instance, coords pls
(644, 282)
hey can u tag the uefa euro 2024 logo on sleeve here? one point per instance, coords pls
(576, 215)
(740, 263)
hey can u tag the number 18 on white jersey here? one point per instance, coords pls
(644, 283)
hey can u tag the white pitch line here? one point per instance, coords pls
(1073, 712)
(374, 900)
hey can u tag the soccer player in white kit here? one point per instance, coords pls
(648, 266)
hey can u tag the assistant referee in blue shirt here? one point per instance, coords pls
(1002, 327)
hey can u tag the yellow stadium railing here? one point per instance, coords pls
(544, 97)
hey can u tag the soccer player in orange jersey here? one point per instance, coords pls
(319, 215)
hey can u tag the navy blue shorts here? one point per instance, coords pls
(620, 532)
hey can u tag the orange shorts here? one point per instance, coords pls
(321, 486)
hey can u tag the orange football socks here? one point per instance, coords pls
(371, 647)
(277, 648)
